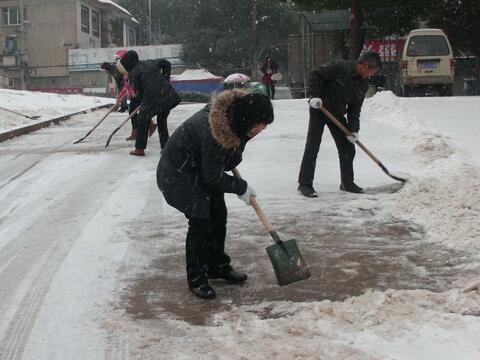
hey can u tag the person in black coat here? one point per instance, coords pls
(153, 91)
(192, 176)
(340, 87)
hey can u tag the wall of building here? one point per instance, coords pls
(50, 32)
(87, 40)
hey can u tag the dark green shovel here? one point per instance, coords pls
(285, 256)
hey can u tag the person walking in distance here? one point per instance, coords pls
(269, 67)
(340, 87)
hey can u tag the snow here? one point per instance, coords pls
(195, 74)
(46, 105)
(80, 225)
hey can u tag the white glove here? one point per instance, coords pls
(353, 138)
(247, 194)
(315, 103)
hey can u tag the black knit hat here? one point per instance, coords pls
(129, 60)
(248, 111)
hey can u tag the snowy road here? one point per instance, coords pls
(92, 260)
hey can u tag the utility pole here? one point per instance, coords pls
(23, 47)
(254, 39)
(150, 19)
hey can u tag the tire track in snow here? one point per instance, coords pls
(48, 243)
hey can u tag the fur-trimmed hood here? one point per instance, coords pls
(219, 118)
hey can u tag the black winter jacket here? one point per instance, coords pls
(150, 78)
(341, 89)
(193, 165)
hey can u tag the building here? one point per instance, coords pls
(37, 35)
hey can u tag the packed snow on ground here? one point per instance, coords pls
(430, 141)
(46, 105)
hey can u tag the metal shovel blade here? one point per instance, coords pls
(287, 262)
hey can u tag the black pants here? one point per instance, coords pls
(271, 91)
(163, 128)
(134, 103)
(146, 113)
(346, 150)
(205, 245)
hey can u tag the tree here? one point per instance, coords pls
(378, 17)
(460, 19)
(220, 34)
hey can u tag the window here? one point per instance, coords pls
(10, 45)
(85, 21)
(428, 45)
(95, 23)
(11, 16)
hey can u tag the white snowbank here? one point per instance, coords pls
(444, 196)
(47, 105)
(401, 325)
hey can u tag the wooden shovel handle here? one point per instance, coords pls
(258, 209)
(348, 133)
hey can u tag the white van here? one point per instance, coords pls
(427, 64)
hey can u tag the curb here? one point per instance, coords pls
(31, 128)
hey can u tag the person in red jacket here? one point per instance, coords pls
(269, 68)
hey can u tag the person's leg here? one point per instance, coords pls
(269, 91)
(316, 125)
(346, 154)
(196, 250)
(219, 262)
(145, 114)
(134, 103)
(273, 91)
(163, 128)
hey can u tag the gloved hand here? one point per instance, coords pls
(353, 139)
(315, 103)
(247, 194)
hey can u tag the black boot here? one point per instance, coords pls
(200, 287)
(307, 190)
(227, 273)
(352, 187)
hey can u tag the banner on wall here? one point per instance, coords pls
(90, 59)
(389, 50)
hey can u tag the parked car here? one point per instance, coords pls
(427, 64)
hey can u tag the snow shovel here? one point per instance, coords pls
(285, 256)
(103, 118)
(348, 133)
(17, 113)
(120, 126)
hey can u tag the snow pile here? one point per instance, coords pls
(445, 196)
(397, 325)
(47, 105)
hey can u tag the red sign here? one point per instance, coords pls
(389, 50)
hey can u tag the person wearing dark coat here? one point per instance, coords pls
(165, 67)
(153, 91)
(340, 87)
(268, 68)
(192, 175)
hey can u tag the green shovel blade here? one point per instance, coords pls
(287, 262)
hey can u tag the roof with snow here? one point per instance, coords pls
(114, 4)
(196, 75)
